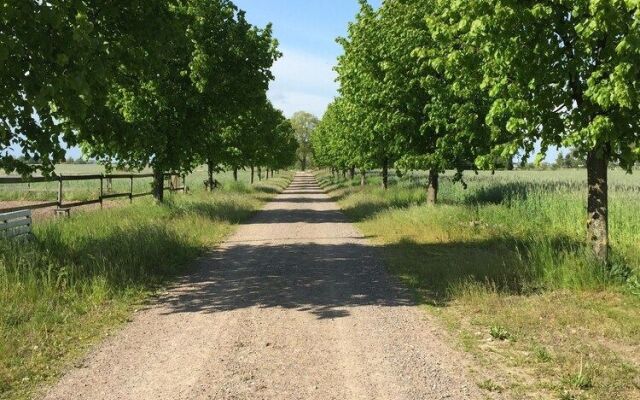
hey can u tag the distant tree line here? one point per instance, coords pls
(439, 84)
(169, 84)
(570, 160)
(79, 161)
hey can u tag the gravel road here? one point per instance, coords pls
(296, 305)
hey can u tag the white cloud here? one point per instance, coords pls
(291, 101)
(303, 82)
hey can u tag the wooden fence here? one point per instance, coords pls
(15, 223)
(176, 183)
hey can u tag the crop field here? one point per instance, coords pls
(83, 276)
(504, 267)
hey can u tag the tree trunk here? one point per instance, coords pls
(363, 177)
(303, 161)
(158, 184)
(344, 174)
(432, 187)
(510, 163)
(260, 173)
(235, 174)
(352, 172)
(598, 204)
(385, 174)
(252, 174)
(210, 181)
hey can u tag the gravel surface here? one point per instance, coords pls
(296, 305)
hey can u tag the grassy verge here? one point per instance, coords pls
(503, 265)
(82, 277)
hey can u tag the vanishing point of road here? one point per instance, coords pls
(295, 305)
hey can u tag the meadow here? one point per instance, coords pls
(82, 277)
(503, 266)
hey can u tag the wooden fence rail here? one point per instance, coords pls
(174, 186)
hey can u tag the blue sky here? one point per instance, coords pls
(306, 31)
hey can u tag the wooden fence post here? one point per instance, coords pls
(175, 182)
(60, 191)
(131, 189)
(101, 190)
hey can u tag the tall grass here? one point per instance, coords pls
(537, 225)
(82, 275)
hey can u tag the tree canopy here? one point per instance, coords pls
(437, 84)
(59, 61)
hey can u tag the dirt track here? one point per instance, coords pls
(296, 305)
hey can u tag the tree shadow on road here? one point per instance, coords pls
(326, 280)
(303, 200)
(288, 216)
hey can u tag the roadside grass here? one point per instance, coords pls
(81, 277)
(503, 265)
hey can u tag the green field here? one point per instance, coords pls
(83, 276)
(87, 190)
(504, 266)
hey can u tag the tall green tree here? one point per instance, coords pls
(432, 117)
(154, 114)
(211, 65)
(282, 144)
(244, 54)
(562, 73)
(362, 72)
(303, 124)
(325, 153)
(334, 141)
(401, 30)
